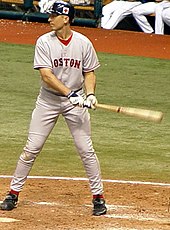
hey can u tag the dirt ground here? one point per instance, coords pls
(66, 204)
(110, 41)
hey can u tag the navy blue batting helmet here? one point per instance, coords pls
(62, 8)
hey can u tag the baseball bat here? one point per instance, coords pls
(148, 115)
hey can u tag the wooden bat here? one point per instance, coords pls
(148, 115)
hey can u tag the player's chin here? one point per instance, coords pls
(53, 27)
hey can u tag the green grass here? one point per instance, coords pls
(128, 148)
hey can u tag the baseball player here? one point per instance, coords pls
(116, 11)
(159, 20)
(45, 5)
(66, 61)
(156, 7)
(166, 15)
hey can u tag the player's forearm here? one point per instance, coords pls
(50, 79)
(90, 82)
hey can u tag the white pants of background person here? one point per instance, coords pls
(115, 12)
(159, 21)
(44, 4)
(139, 13)
(166, 16)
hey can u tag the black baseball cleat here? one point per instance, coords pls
(9, 203)
(99, 207)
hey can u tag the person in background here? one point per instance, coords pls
(166, 15)
(161, 16)
(115, 11)
(66, 61)
(156, 7)
(45, 5)
(80, 2)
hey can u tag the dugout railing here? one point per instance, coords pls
(28, 10)
(86, 15)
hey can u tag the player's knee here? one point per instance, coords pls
(135, 13)
(165, 16)
(104, 12)
(34, 144)
(27, 157)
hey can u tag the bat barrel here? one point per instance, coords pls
(148, 115)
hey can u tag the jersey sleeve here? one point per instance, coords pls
(90, 62)
(41, 56)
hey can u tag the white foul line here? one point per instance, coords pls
(85, 179)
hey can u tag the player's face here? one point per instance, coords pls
(57, 22)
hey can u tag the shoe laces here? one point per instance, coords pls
(11, 198)
(98, 201)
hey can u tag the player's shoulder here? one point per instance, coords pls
(81, 37)
(46, 37)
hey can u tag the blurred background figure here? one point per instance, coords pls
(166, 15)
(80, 2)
(115, 12)
(139, 13)
(45, 5)
(156, 7)
(159, 12)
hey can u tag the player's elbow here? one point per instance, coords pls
(46, 75)
(46, 78)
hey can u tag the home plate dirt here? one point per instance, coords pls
(66, 205)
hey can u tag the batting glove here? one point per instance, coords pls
(90, 102)
(75, 99)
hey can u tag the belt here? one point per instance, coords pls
(57, 94)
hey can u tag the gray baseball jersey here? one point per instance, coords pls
(67, 62)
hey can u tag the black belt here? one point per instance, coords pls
(60, 95)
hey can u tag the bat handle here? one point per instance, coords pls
(113, 108)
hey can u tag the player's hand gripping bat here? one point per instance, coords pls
(148, 115)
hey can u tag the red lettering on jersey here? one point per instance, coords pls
(67, 62)
(60, 62)
(71, 62)
(77, 64)
(55, 62)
